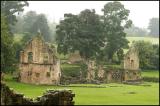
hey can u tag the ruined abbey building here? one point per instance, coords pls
(38, 63)
(130, 68)
(129, 71)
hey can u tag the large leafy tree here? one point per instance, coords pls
(115, 19)
(8, 18)
(81, 32)
(7, 47)
(154, 27)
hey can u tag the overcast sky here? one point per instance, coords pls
(140, 11)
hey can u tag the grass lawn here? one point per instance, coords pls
(112, 93)
(149, 73)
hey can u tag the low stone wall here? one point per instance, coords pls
(50, 97)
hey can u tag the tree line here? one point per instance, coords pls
(151, 31)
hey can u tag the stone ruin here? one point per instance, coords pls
(91, 71)
(129, 72)
(131, 60)
(38, 63)
(131, 65)
(50, 97)
(74, 57)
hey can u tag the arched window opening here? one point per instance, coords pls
(132, 63)
(30, 57)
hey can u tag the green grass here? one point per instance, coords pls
(113, 94)
(150, 73)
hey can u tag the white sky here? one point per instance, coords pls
(140, 11)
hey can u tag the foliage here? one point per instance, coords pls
(29, 19)
(19, 25)
(42, 25)
(120, 55)
(9, 8)
(8, 18)
(114, 14)
(73, 70)
(148, 54)
(7, 46)
(80, 32)
(154, 27)
(31, 23)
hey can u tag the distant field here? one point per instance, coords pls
(153, 40)
(150, 39)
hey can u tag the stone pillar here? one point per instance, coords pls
(91, 70)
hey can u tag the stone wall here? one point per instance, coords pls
(39, 50)
(38, 63)
(115, 76)
(131, 59)
(50, 97)
(40, 74)
(74, 57)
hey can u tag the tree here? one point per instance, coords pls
(82, 32)
(42, 25)
(29, 19)
(19, 25)
(154, 27)
(120, 55)
(115, 19)
(7, 47)
(148, 54)
(8, 18)
(10, 8)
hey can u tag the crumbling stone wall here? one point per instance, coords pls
(131, 60)
(132, 75)
(38, 63)
(90, 70)
(101, 72)
(74, 57)
(115, 76)
(50, 97)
